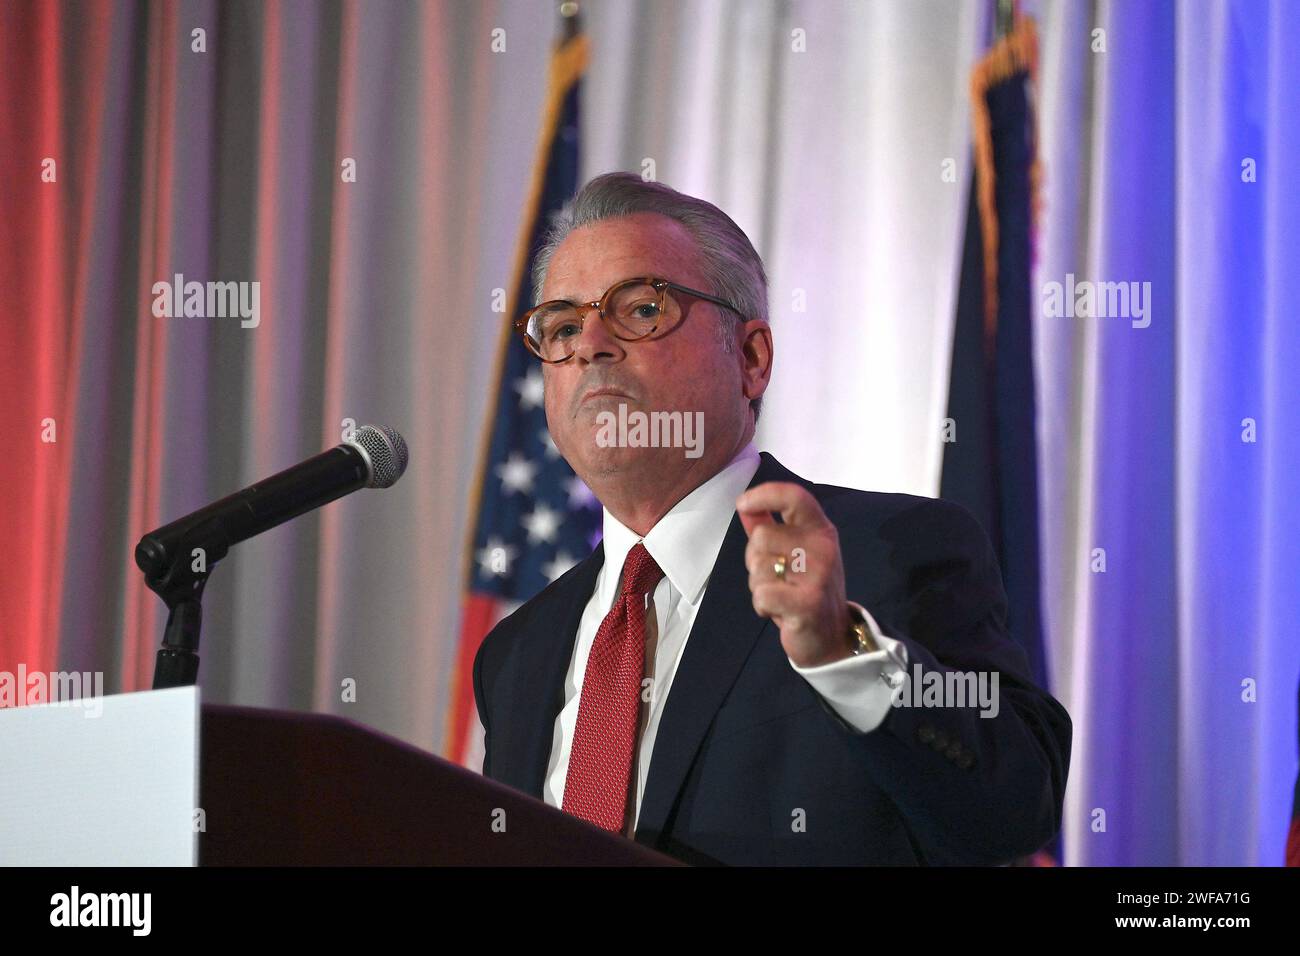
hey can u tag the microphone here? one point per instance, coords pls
(375, 457)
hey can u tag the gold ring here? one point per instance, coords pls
(779, 568)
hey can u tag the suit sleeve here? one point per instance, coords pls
(480, 702)
(978, 782)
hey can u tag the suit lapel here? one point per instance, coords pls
(548, 651)
(721, 638)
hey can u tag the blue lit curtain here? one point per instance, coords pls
(1171, 157)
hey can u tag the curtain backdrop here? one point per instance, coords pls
(1141, 429)
(836, 133)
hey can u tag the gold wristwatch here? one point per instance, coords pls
(860, 641)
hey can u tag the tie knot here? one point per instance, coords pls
(640, 572)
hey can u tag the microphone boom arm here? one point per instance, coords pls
(178, 557)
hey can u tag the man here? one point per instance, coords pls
(719, 678)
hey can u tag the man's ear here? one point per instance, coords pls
(756, 357)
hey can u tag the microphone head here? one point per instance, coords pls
(385, 450)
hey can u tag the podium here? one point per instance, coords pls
(283, 788)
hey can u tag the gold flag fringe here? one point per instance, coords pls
(1017, 52)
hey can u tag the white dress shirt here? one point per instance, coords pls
(685, 544)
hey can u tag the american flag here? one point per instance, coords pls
(534, 518)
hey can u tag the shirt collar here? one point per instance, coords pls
(685, 542)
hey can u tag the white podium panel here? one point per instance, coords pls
(110, 781)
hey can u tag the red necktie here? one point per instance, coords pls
(598, 787)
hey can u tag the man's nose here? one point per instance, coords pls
(595, 344)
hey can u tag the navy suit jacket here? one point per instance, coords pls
(752, 766)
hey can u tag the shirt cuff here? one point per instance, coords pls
(860, 689)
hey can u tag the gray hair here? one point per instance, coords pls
(731, 268)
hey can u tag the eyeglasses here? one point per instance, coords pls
(631, 310)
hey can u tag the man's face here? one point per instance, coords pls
(684, 370)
